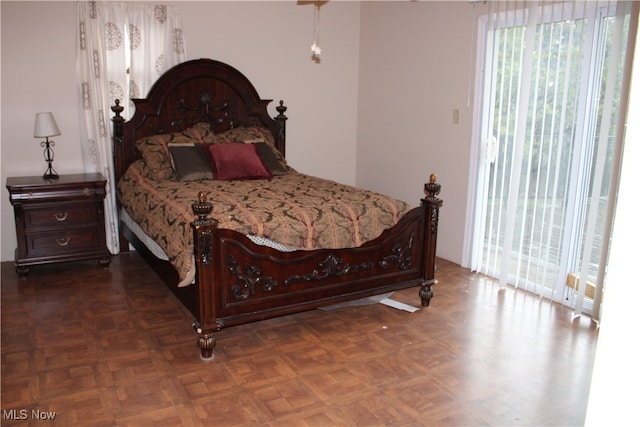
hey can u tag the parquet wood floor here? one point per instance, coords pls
(113, 347)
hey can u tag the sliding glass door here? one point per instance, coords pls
(549, 137)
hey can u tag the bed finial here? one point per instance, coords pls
(281, 108)
(202, 207)
(117, 109)
(432, 188)
(118, 121)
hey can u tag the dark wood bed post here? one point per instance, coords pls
(281, 121)
(203, 228)
(432, 204)
(119, 159)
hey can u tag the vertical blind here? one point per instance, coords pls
(550, 133)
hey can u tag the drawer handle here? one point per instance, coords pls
(61, 216)
(63, 241)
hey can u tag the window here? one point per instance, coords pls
(549, 137)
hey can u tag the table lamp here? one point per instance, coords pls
(45, 127)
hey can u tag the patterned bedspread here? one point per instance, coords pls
(296, 210)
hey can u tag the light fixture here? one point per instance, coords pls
(315, 47)
(316, 51)
(45, 127)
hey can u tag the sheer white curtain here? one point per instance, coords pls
(122, 48)
(550, 134)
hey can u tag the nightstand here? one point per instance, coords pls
(58, 220)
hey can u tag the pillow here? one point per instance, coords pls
(250, 134)
(156, 156)
(242, 134)
(200, 131)
(155, 152)
(190, 162)
(270, 158)
(237, 161)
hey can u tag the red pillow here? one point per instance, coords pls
(237, 161)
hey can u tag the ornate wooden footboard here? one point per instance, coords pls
(239, 281)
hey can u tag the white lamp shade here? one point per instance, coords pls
(45, 126)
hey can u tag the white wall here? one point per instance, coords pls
(392, 75)
(268, 41)
(376, 112)
(414, 62)
(38, 74)
(616, 373)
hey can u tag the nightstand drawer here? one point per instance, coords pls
(62, 242)
(60, 215)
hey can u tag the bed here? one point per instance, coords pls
(238, 239)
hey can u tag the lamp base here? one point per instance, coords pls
(50, 175)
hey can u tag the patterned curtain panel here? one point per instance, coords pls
(122, 49)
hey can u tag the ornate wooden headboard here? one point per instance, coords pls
(201, 90)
